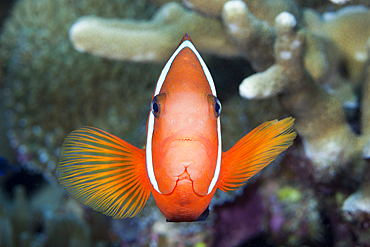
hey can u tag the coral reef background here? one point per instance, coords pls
(311, 63)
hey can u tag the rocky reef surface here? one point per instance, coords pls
(67, 64)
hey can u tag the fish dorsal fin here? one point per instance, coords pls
(255, 151)
(104, 172)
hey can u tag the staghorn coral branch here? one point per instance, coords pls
(253, 37)
(320, 120)
(244, 29)
(257, 87)
(349, 30)
(152, 40)
(265, 10)
(326, 52)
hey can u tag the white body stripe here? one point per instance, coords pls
(161, 79)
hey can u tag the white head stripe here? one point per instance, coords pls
(161, 79)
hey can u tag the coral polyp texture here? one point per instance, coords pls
(43, 87)
(69, 64)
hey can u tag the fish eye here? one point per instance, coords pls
(215, 105)
(157, 104)
(155, 108)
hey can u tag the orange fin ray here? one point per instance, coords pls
(104, 172)
(255, 151)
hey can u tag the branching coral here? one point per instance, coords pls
(330, 143)
(253, 37)
(152, 40)
(320, 120)
(204, 7)
(323, 58)
(246, 29)
(265, 10)
(348, 29)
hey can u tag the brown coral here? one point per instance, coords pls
(152, 40)
(248, 24)
(320, 120)
(348, 29)
(253, 37)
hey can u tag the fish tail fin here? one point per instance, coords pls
(255, 151)
(104, 172)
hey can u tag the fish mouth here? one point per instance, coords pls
(188, 136)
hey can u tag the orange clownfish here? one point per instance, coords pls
(182, 164)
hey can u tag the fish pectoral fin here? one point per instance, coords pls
(104, 172)
(255, 151)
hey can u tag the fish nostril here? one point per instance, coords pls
(184, 175)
